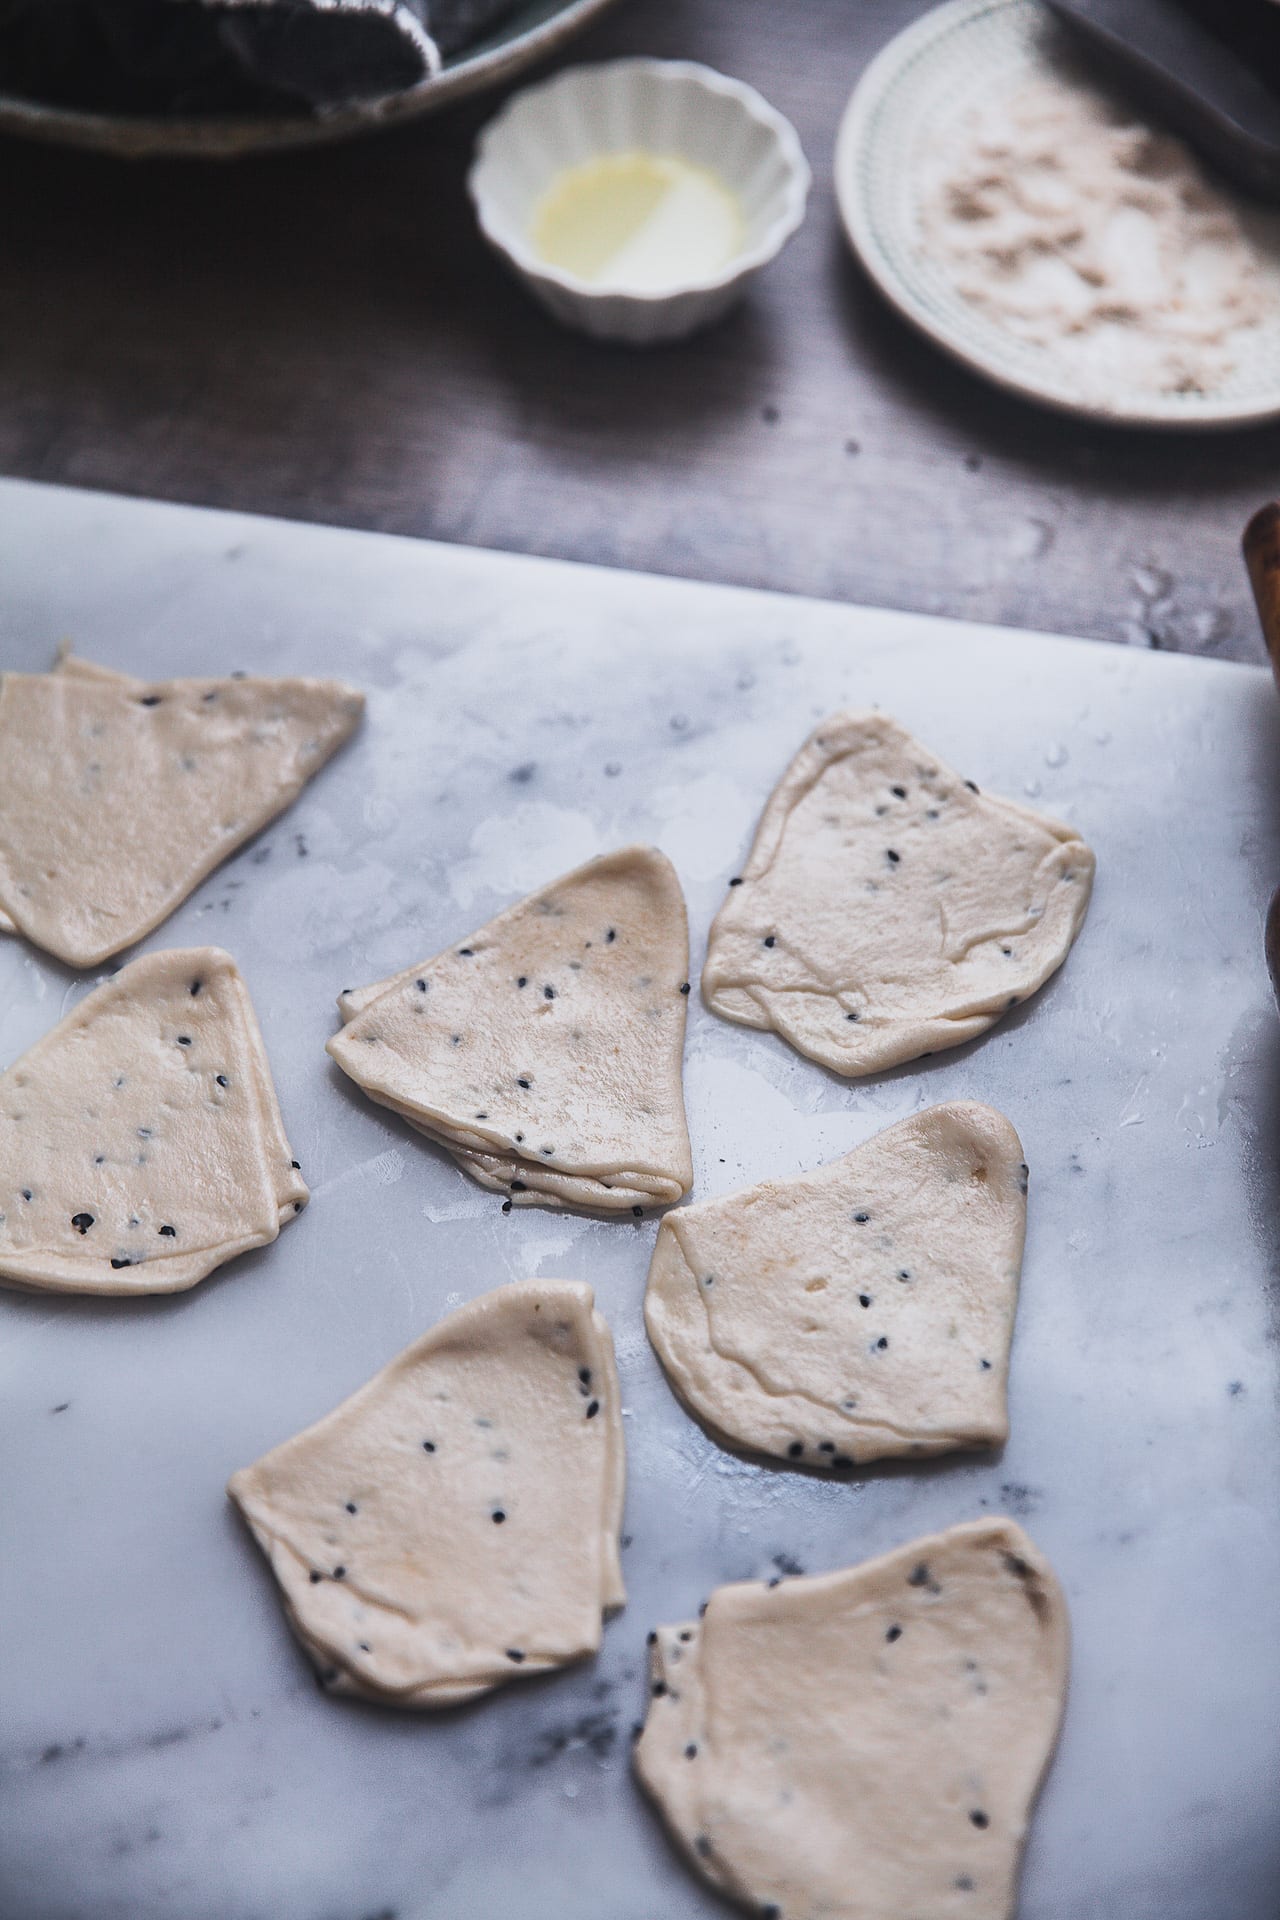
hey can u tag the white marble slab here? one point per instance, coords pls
(163, 1748)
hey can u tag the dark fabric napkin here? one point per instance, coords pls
(228, 56)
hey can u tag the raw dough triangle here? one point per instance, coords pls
(868, 1744)
(455, 1522)
(118, 796)
(544, 1052)
(887, 908)
(141, 1145)
(856, 1312)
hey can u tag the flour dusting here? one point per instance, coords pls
(1074, 226)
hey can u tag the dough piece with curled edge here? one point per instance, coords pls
(455, 1522)
(887, 908)
(545, 1051)
(858, 1311)
(867, 1744)
(141, 1143)
(118, 796)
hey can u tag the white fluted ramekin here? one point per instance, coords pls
(671, 108)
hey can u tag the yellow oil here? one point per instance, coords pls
(638, 223)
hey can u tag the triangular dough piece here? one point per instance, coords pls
(868, 1744)
(856, 1312)
(141, 1144)
(118, 796)
(888, 909)
(455, 1522)
(544, 1052)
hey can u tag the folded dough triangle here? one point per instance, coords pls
(858, 1311)
(118, 796)
(141, 1145)
(887, 908)
(868, 1744)
(544, 1052)
(455, 1522)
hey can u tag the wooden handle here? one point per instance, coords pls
(1262, 557)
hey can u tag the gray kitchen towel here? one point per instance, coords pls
(228, 56)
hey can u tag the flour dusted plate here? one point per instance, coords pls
(959, 59)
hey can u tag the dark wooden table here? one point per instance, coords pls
(323, 335)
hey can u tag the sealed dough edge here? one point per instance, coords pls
(869, 1743)
(383, 1623)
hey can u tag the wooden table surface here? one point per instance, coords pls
(323, 335)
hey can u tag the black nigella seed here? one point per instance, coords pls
(851, 1016)
(523, 981)
(518, 1186)
(899, 793)
(82, 1222)
(466, 953)
(351, 1506)
(420, 984)
(584, 1374)
(691, 1751)
(685, 1634)
(149, 700)
(121, 1263)
(339, 1573)
(651, 1639)
(658, 1689)
(455, 1039)
(482, 1116)
(638, 1212)
(184, 1039)
(919, 1575)
(611, 936)
(26, 1193)
(685, 987)
(593, 1409)
(222, 1079)
(864, 1299)
(506, 1206)
(296, 1165)
(862, 1218)
(795, 1450)
(979, 1818)
(826, 1446)
(515, 1653)
(519, 1136)
(498, 1516)
(521, 1082)
(297, 1206)
(316, 1578)
(195, 987)
(548, 993)
(1006, 950)
(736, 881)
(894, 1633)
(428, 1446)
(169, 1233)
(364, 1646)
(903, 1273)
(144, 1133)
(985, 1366)
(972, 786)
(882, 1342)
(892, 857)
(770, 940)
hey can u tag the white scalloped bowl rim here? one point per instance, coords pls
(529, 103)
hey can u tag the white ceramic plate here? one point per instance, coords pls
(530, 33)
(955, 57)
